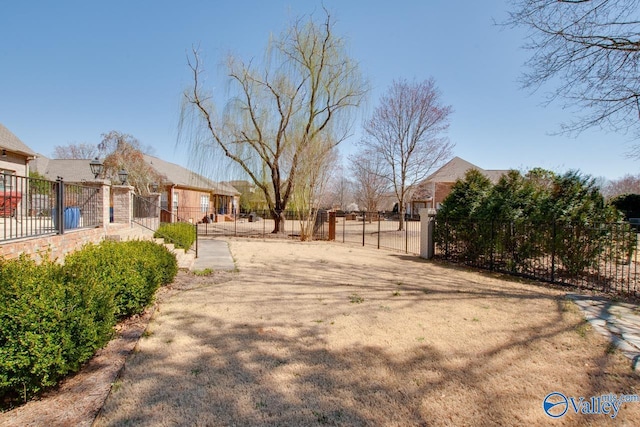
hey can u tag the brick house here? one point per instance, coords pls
(436, 187)
(183, 193)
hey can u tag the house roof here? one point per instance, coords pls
(10, 142)
(78, 170)
(72, 170)
(450, 172)
(177, 175)
(456, 168)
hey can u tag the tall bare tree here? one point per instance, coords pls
(75, 151)
(590, 51)
(303, 95)
(370, 183)
(406, 130)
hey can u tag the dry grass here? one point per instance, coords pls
(317, 333)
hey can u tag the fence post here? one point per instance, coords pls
(427, 229)
(378, 230)
(364, 224)
(60, 205)
(406, 236)
(332, 225)
(553, 251)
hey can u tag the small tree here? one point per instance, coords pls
(406, 130)
(123, 151)
(370, 183)
(75, 151)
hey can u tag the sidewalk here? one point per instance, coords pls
(620, 322)
(213, 254)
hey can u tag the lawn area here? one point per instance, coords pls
(331, 334)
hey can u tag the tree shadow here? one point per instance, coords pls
(262, 350)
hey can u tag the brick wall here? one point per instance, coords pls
(56, 247)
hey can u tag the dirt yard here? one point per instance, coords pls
(317, 333)
(331, 334)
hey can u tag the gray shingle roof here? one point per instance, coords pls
(178, 175)
(72, 170)
(75, 170)
(10, 142)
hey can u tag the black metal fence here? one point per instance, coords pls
(31, 207)
(380, 230)
(601, 257)
(148, 214)
(261, 224)
(375, 229)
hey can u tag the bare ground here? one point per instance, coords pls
(317, 333)
(326, 334)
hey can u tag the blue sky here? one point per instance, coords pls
(72, 70)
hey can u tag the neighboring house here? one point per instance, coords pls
(74, 171)
(251, 197)
(14, 163)
(436, 187)
(14, 156)
(191, 196)
(184, 193)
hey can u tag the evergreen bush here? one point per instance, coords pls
(181, 234)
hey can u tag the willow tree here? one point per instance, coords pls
(299, 100)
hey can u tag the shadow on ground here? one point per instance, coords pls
(328, 339)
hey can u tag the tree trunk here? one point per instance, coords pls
(278, 220)
(401, 217)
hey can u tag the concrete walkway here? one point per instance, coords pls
(213, 254)
(620, 322)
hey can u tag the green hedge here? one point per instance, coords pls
(53, 318)
(133, 269)
(181, 234)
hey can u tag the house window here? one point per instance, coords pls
(204, 204)
(164, 200)
(175, 203)
(7, 179)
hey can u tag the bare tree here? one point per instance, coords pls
(370, 184)
(303, 96)
(406, 131)
(313, 175)
(339, 188)
(628, 184)
(590, 50)
(123, 151)
(75, 151)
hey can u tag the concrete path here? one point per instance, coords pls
(213, 254)
(620, 322)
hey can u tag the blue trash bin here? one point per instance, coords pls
(71, 217)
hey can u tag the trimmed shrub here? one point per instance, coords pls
(53, 318)
(181, 234)
(48, 326)
(133, 270)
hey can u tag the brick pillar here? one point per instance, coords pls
(122, 204)
(103, 199)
